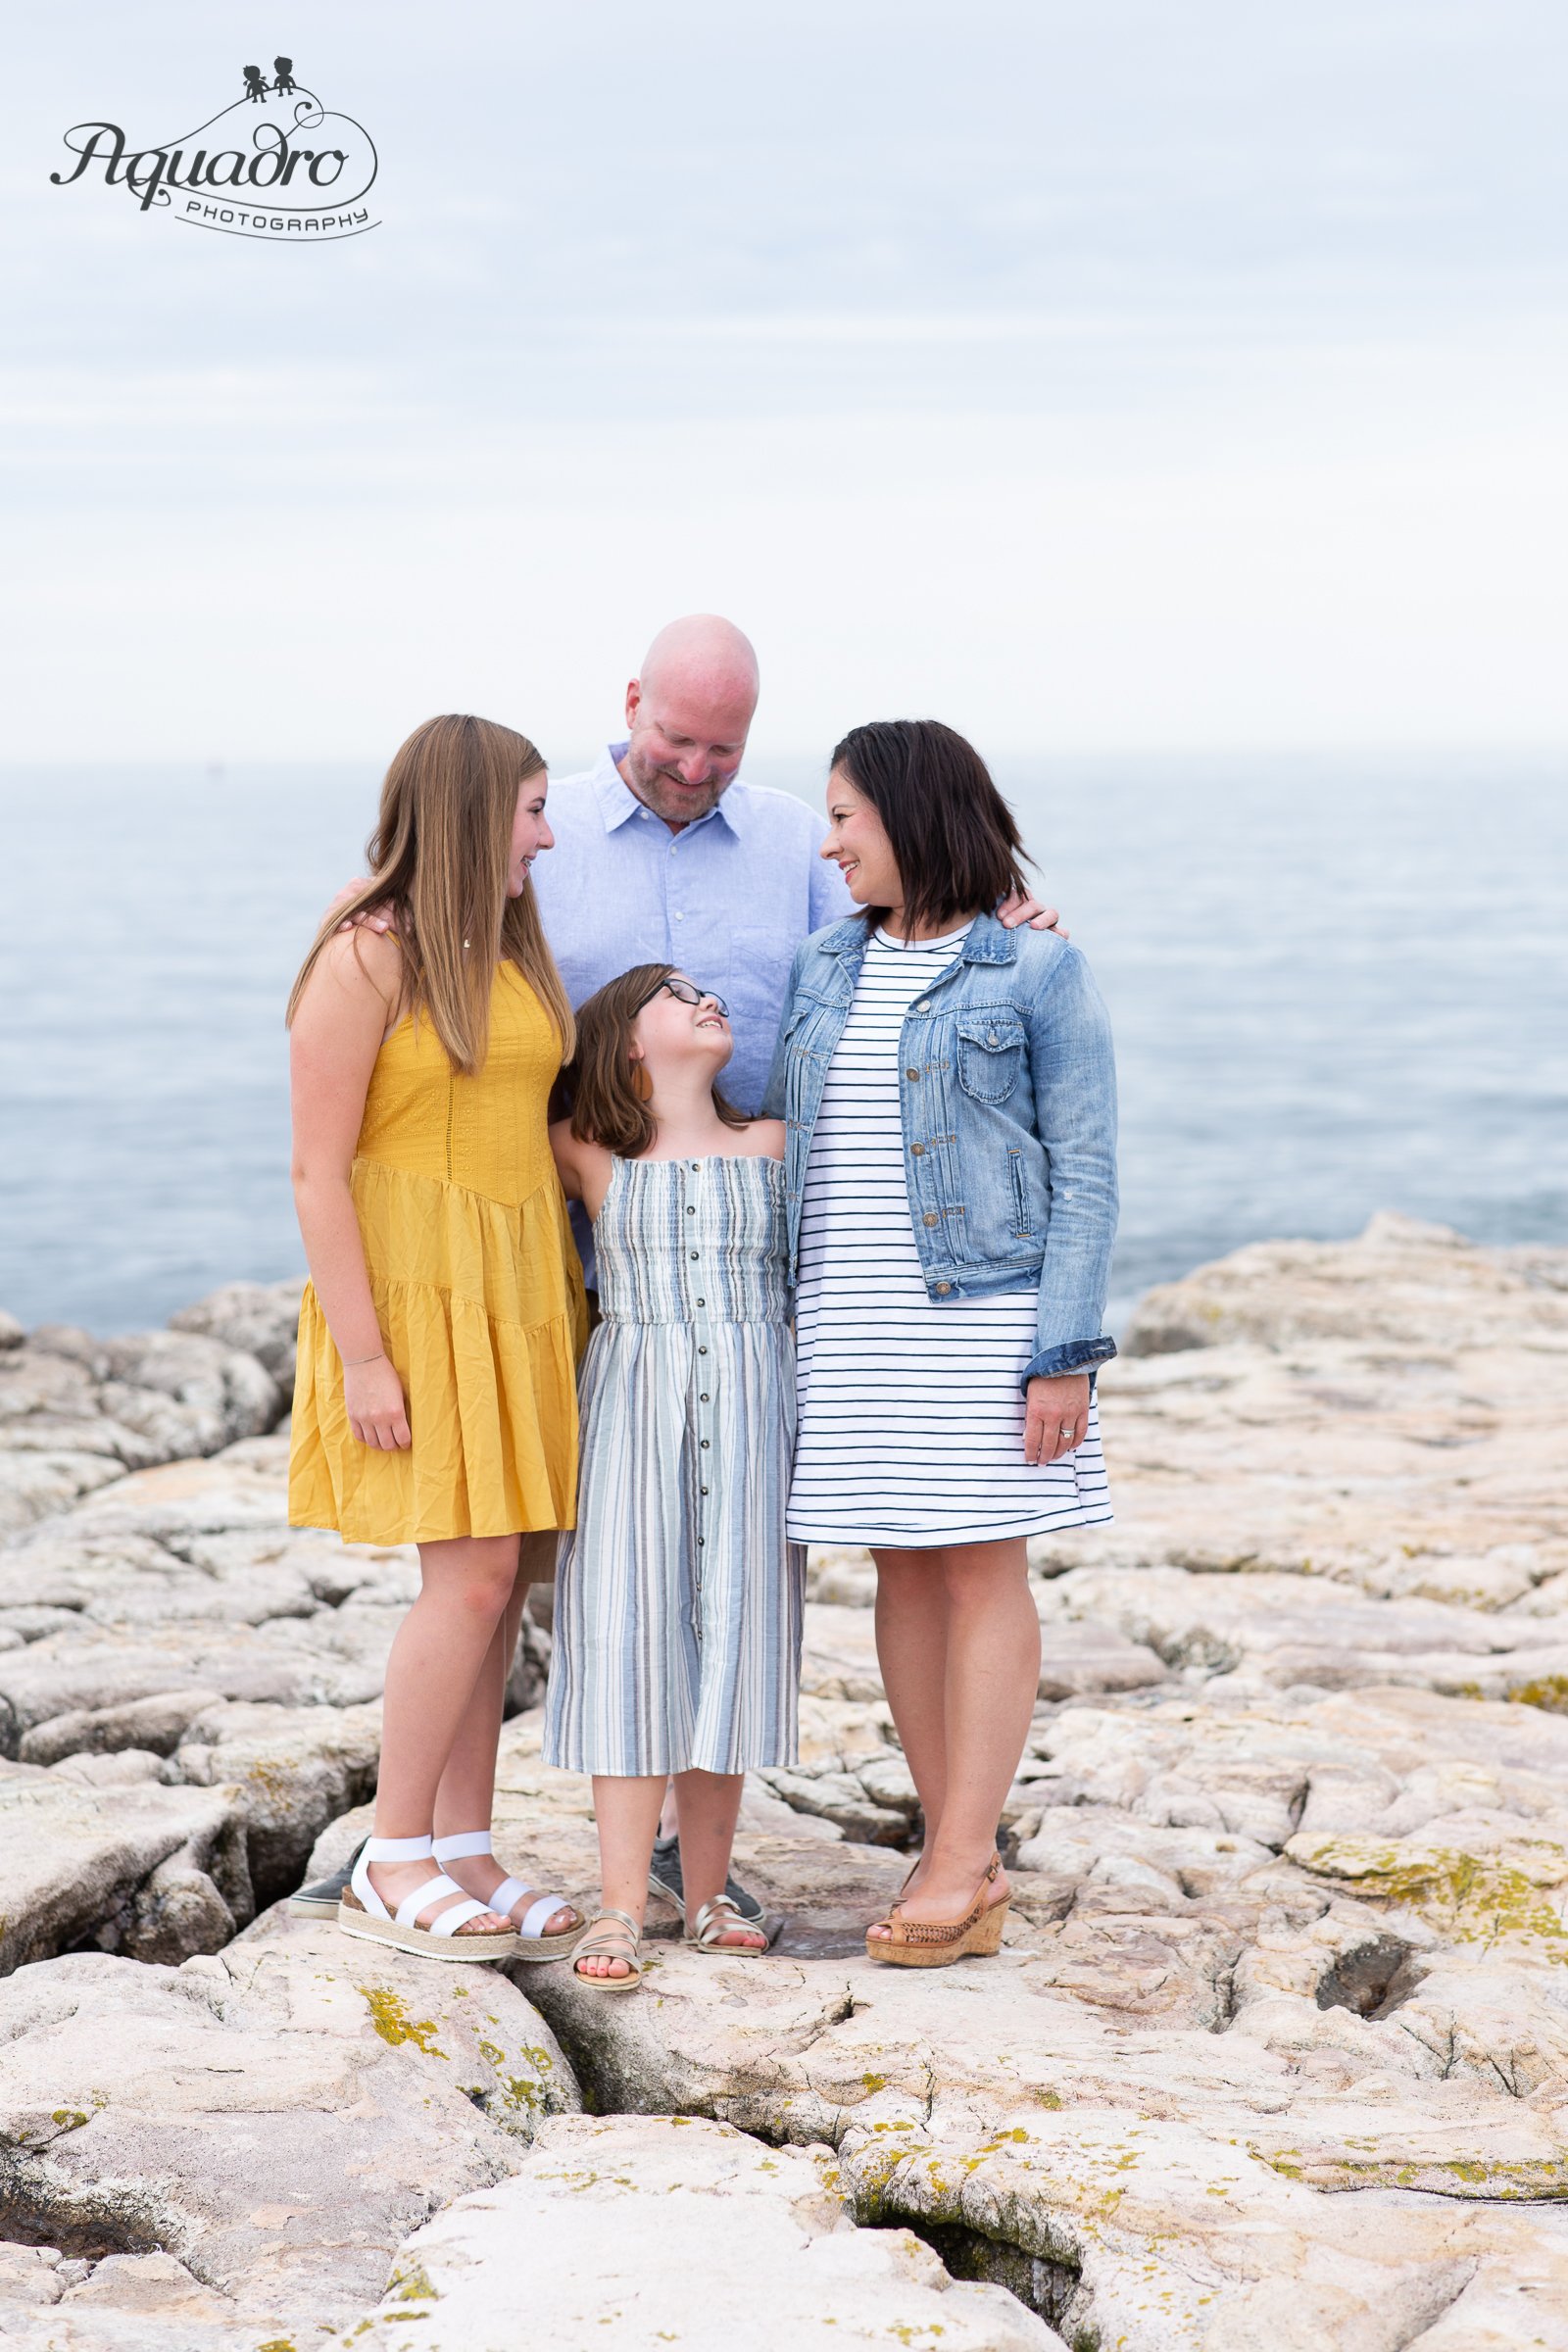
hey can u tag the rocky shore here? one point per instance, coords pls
(1275, 2054)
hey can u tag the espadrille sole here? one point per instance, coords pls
(355, 1920)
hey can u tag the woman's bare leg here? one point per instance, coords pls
(626, 1809)
(912, 1648)
(466, 1798)
(991, 1679)
(435, 1663)
(709, 1806)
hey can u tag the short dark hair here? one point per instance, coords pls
(958, 848)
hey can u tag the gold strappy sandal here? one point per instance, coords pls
(718, 1919)
(938, 1942)
(606, 1940)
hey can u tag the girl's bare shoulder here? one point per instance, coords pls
(764, 1139)
(361, 958)
(575, 1151)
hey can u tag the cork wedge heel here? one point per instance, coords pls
(938, 1942)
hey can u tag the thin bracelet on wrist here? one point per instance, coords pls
(353, 1363)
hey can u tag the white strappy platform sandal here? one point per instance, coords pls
(363, 1913)
(532, 1942)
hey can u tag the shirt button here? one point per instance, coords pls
(690, 1211)
(701, 1301)
(697, 1166)
(705, 1445)
(695, 1253)
(701, 1489)
(702, 1350)
(703, 1398)
(702, 1539)
(931, 1218)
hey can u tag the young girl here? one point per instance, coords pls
(434, 1400)
(678, 1601)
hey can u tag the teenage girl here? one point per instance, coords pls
(434, 1399)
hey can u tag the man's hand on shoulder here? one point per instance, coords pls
(369, 918)
(1015, 911)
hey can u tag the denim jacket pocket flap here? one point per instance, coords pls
(991, 1050)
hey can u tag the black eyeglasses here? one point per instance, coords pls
(687, 992)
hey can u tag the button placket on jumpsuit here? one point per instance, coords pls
(699, 1282)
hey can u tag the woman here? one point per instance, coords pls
(435, 1396)
(677, 1632)
(950, 1100)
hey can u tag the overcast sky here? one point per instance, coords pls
(1103, 375)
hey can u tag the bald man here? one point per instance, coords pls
(664, 855)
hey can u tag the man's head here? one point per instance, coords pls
(689, 711)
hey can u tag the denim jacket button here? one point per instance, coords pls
(913, 1076)
(924, 1004)
(943, 1287)
(917, 1151)
(931, 1218)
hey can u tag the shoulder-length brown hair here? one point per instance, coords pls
(606, 1108)
(958, 850)
(438, 861)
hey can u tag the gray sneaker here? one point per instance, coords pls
(321, 1900)
(664, 1877)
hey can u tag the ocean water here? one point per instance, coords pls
(1338, 985)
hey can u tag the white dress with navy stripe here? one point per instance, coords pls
(910, 1415)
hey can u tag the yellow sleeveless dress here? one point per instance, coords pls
(478, 1293)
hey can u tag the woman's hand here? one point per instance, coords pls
(1057, 1416)
(373, 1395)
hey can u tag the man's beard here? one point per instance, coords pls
(667, 797)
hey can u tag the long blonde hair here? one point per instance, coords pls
(438, 861)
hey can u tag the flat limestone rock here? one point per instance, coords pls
(78, 1412)
(275, 2120)
(1386, 1412)
(1292, 1629)
(666, 2231)
(1154, 2188)
(155, 1871)
(1289, 1854)
(259, 1318)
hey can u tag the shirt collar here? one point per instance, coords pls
(618, 804)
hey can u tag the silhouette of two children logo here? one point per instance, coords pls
(256, 84)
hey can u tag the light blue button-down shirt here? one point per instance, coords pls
(728, 898)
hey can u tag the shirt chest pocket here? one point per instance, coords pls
(991, 1050)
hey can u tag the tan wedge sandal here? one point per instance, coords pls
(604, 1941)
(938, 1942)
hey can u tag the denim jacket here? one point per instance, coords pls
(1008, 1098)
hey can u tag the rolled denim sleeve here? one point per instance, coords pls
(1073, 1068)
(773, 1091)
